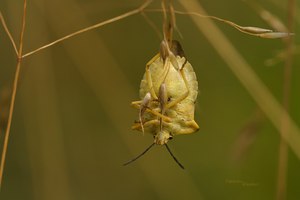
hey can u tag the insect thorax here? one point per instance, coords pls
(174, 82)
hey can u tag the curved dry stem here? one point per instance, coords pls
(249, 30)
(243, 71)
(125, 15)
(8, 33)
(13, 97)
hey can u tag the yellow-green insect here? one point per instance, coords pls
(168, 93)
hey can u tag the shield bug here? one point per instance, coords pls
(168, 93)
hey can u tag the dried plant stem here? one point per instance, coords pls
(20, 56)
(283, 147)
(125, 15)
(8, 33)
(244, 73)
(13, 97)
(254, 31)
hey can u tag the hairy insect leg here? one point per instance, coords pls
(137, 104)
(144, 104)
(165, 56)
(153, 122)
(192, 126)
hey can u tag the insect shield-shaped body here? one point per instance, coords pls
(172, 85)
(168, 93)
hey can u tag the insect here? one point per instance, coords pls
(168, 93)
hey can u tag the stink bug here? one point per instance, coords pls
(168, 93)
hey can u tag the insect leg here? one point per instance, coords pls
(137, 126)
(144, 104)
(137, 104)
(191, 127)
(166, 69)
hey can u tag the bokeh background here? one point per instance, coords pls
(71, 126)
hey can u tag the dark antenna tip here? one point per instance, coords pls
(140, 155)
(175, 159)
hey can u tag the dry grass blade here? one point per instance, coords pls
(13, 96)
(256, 88)
(8, 33)
(125, 15)
(249, 30)
(275, 35)
(254, 31)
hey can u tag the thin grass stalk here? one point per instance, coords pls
(13, 96)
(283, 147)
(125, 15)
(8, 33)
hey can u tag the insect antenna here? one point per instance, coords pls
(169, 150)
(140, 155)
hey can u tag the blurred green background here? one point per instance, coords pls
(71, 125)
